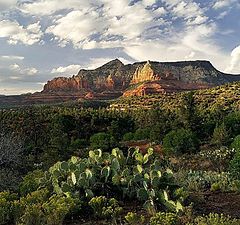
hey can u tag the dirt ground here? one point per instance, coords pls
(217, 202)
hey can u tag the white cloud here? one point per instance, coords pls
(15, 33)
(108, 25)
(68, 70)
(192, 43)
(7, 4)
(23, 70)
(219, 4)
(11, 57)
(50, 7)
(76, 26)
(190, 11)
(234, 66)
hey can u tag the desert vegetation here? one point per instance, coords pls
(167, 159)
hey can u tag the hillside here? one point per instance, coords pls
(226, 97)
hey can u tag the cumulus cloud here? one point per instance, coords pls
(50, 7)
(23, 70)
(16, 33)
(76, 26)
(234, 66)
(6, 4)
(71, 69)
(106, 24)
(219, 4)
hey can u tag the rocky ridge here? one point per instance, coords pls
(115, 79)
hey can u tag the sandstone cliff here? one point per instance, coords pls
(115, 79)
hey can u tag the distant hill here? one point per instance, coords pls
(224, 97)
(114, 79)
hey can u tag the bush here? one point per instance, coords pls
(6, 207)
(163, 218)
(202, 180)
(220, 135)
(232, 122)
(180, 141)
(31, 182)
(234, 166)
(236, 144)
(105, 208)
(102, 140)
(142, 134)
(134, 219)
(128, 136)
(56, 209)
(37, 209)
(214, 219)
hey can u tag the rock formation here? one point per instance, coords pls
(115, 79)
(144, 73)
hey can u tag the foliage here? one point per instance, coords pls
(180, 141)
(214, 219)
(220, 157)
(232, 122)
(11, 161)
(142, 134)
(102, 140)
(139, 176)
(128, 136)
(220, 135)
(236, 144)
(105, 208)
(133, 218)
(234, 165)
(37, 208)
(6, 207)
(162, 218)
(202, 180)
(31, 182)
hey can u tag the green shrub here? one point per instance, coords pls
(200, 180)
(105, 208)
(162, 218)
(220, 135)
(128, 136)
(134, 219)
(180, 141)
(236, 144)
(37, 209)
(56, 209)
(232, 122)
(102, 140)
(214, 219)
(31, 182)
(142, 134)
(6, 207)
(33, 215)
(234, 166)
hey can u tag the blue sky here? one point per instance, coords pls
(42, 39)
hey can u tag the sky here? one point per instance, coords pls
(43, 39)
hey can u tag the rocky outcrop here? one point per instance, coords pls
(144, 73)
(73, 84)
(115, 79)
